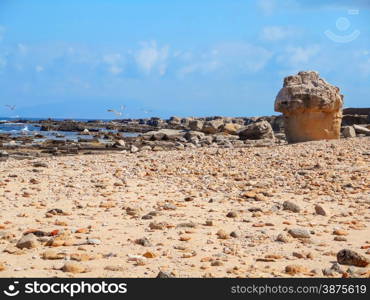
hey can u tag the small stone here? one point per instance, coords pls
(81, 257)
(340, 232)
(149, 254)
(352, 258)
(73, 267)
(209, 223)
(340, 239)
(295, 269)
(162, 274)
(234, 234)
(287, 205)
(217, 263)
(222, 234)
(321, 210)
(282, 237)
(169, 206)
(185, 238)
(328, 272)
(40, 164)
(114, 268)
(157, 225)
(2, 266)
(93, 241)
(51, 254)
(134, 149)
(143, 242)
(300, 233)
(28, 241)
(232, 214)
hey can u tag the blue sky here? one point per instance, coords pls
(78, 58)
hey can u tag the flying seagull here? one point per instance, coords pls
(118, 113)
(146, 111)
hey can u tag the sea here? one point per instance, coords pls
(27, 128)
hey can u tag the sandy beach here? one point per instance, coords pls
(277, 211)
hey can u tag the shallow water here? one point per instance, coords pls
(22, 129)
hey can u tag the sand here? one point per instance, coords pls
(193, 194)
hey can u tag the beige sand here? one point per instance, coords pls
(110, 193)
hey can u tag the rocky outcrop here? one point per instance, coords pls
(256, 131)
(312, 108)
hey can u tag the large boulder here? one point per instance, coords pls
(256, 131)
(231, 128)
(212, 127)
(196, 125)
(312, 108)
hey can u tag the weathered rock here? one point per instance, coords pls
(321, 210)
(196, 125)
(162, 274)
(312, 108)
(28, 241)
(73, 267)
(299, 233)
(349, 257)
(134, 149)
(287, 205)
(143, 242)
(256, 131)
(212, 127)
(361, 129)
(51, 254)
(231, 128)
(295, 269)
(349, 132)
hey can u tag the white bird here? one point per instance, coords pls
(117, 113)
(146, 111)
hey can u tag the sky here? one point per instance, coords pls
(79, 58)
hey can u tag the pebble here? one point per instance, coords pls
(295, 269)
(51, 254)
(282, 237)
(299, 233)
(93, 241)
(222, 234)
(287, 205)
(321, 210)
(352, 258)
(114, 268)
(162, 274)
(28, 241)
(143, 242)
(73, 267)
(232, 214)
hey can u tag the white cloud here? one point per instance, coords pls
(151, 57)
(114, 61)
(268, 7)
(39, 68)
(115, 70)
(112, 58)
(229, 58)
(277, 33)
(299, 56)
